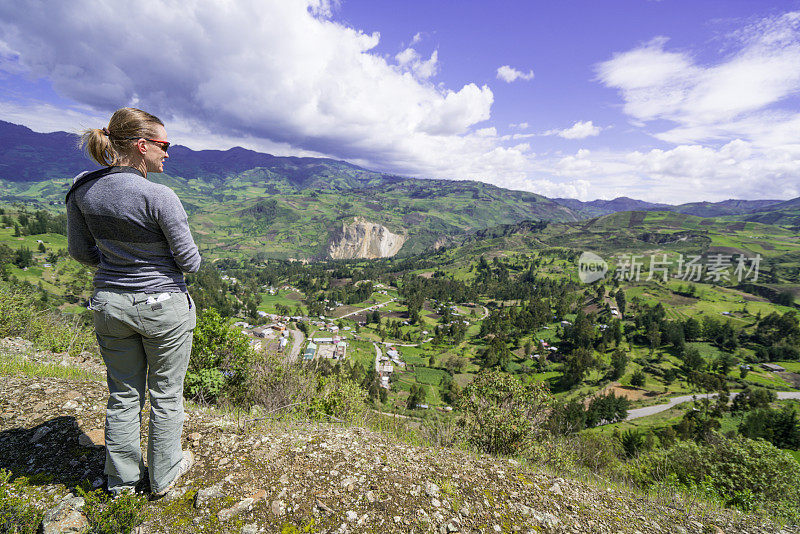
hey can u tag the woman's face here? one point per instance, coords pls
(155, 155)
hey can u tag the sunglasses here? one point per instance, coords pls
(164, 145)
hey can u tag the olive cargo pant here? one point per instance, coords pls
(145, 339)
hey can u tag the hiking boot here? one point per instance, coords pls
(186, 463)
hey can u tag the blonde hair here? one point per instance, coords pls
(107, 145)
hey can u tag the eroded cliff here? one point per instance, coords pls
(364, 239)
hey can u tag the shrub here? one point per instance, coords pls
(740, 472)
(501, 414)
(338, 397)
(22, 315)
(112, 516)
(219, 366)
(278, 386)
(16, 514)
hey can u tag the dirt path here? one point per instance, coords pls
(297, 345)
(360, 310)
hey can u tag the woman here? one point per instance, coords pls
(136, 234)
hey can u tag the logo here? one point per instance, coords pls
(591, 267)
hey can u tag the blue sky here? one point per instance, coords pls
(668, 101)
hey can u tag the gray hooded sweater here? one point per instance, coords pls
(135, 232)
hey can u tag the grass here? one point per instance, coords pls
(11, 365)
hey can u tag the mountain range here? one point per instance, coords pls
(242, 201)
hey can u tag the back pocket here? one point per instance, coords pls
(159, 318)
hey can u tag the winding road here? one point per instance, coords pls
(636, 413)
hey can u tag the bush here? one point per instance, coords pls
(112, 516)
(22, 315)
(338, 397)
(219, 366)
(17, 516)
(740, 472)
(501, 414)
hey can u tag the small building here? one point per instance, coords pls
(311, 350)
(260, 331)
(774, 367)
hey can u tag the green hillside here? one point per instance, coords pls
(261, 211)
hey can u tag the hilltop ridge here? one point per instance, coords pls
(269, 475)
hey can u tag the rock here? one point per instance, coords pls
(250, 528)
(349, 483)
(351, 516)
(238, 508)
(65, 517)
(364, 239)
(544, 518)
(194, 436)
(278, 507)
(423, 516)
(41, 432)
(69, 405)
(370, 496)
(555, 488)
(454, 525)
(93, 438)
(431, 489)
(206, 494)
(324, 507)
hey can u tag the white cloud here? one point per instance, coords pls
(734, 170)
(519, 125)
(409, 60)
(738, 96)
(417, 38)
(510, 74)
(579, 130)
(298, 80)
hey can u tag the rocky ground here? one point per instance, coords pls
(274, 476)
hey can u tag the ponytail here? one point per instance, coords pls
(98, 146)
(106, 146)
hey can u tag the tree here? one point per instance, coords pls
(621, 301)
(779, 427)
(606, 409)
(619, 360)
(416, 396)
(691, 329)
(724, 362)
(576, 365)
(502, 415)
(692, 359)
(638, 378)
(23, 257)
(653, 336)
